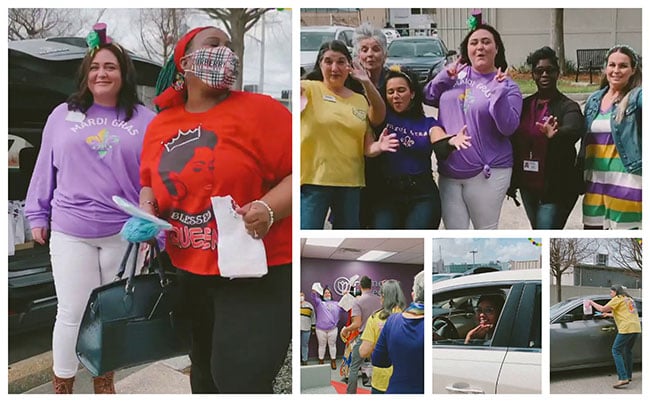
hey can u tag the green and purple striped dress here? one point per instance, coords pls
(613, 196)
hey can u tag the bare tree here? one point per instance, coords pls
(31, 23)
(557, 35)
(237, 22)
(160, 29)
(627, 253)
(567, 253)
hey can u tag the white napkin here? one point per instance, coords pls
(317, 287)
(240, 256)
(346, 302)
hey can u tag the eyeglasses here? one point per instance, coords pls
(484, 310)
(542, 70)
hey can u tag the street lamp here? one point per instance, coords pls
(473, 252)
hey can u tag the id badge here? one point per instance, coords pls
(531, 166)
(75, 116)
(329, 98)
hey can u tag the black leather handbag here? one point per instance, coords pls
(134, 320)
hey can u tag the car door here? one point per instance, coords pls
(584, 341)
(521, 368)
(508, 363)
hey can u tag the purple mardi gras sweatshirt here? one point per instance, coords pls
(491, 111)
(84, 160)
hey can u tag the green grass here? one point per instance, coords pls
(527, 86)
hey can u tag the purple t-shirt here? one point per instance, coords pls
(414, 154)
(491, 111)
(327, 313)
(84, 160)
(364, 306)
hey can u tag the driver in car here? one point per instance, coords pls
(487, 312)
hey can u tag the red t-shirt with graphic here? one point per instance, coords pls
(241, 147)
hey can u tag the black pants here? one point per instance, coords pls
(241, 330)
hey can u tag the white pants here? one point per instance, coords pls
(78, 266)
(477, 199)
(326, 338)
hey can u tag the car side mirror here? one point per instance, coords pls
(566, 318)
(451, 53)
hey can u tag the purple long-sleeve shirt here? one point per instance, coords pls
(84, 160)
(491, 111)
(327, 312)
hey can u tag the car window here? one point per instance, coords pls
(401, 49)
(343, 37)
(349, 34)
(311, 41)
(428, 49)
(457, 313)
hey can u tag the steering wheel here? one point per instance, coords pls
(447, 329)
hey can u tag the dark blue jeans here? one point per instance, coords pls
(315, 201)
(544, 215)
(409, 207)
(622, 352)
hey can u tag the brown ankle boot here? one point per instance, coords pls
(104, 384)
(62, 385)
(333, 364)
(321, 361)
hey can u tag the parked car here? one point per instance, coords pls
(511, 360)
(311, 37)
(390, 34)
(581, 340)
(425, 55)
(41, 76)
(442, 277)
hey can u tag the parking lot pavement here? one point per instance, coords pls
(593, 381)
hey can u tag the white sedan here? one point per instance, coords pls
(508, 360)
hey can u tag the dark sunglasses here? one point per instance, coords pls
(486, 310)
(542, 70)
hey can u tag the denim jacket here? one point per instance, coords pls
(626, 134)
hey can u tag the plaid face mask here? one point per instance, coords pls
(217, 67)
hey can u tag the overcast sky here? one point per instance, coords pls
(277, 48)
(457, 251)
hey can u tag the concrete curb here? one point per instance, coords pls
(29, 373)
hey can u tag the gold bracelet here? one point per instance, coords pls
(268, 208)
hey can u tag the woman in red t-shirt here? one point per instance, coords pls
(207, 141)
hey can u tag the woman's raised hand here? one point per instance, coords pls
(548, 127)
(358, 72)
(461, 140)
(502, 75)
(388, 142)
(454, 68)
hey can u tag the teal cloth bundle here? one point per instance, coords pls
(138, 230)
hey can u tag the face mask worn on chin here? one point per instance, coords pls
(302, 298)
(327, 298)
(217, 67)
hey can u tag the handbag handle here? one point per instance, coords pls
(153, 252)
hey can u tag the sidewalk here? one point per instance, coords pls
(163, 377)
(171, 376)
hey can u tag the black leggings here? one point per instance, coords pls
(241, 330)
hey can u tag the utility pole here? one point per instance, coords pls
(474, 252)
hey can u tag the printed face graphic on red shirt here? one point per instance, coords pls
(187, 164)
(187, 170)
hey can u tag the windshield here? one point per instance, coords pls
(311, 41)
(430, 48)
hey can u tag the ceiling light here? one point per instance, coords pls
(324, 242)
(376, 255)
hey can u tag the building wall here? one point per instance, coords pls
(532, 264)
(575, 291)
(604, 277)
(377, 17)
(525, 30)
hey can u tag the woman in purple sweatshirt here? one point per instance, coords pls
(476, 92)
(328, 313)
(90, 151)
